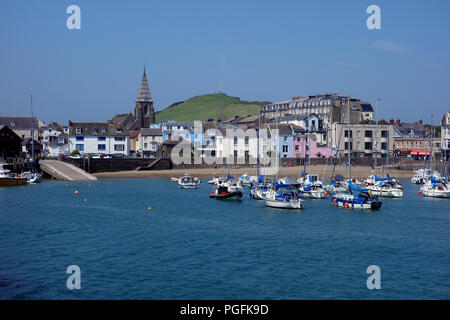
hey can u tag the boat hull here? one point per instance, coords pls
(293, 204)
(226, 195)
(5, 182)
(436, 194)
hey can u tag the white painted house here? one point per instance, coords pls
(98, 138)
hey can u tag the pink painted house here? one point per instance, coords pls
(315, 151)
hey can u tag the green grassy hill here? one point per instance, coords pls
(208, 106)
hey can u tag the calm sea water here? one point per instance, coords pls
(191, 247)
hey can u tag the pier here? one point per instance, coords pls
(64, 171)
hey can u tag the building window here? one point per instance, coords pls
(119, 147)
(101, 147)
(246, 141)
(95, 131)
(80, 147)
(78, 130)
(285, 148)
(80, 138)
(119, 138)
(235, 153)
(101, 138)
(246, 154)
(235, 141)
(368, 145)
(145, 145)
(103, 130)
(346, 134)
(296, 147)
(351, 146)
(384, 133)
(368, 134)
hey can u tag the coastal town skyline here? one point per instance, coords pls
(407, 72)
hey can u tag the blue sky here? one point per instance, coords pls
(259, 50)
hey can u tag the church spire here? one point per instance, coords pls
(144, 90)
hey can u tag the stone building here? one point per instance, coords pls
(144, 113)
(362, 140)
(330, 108)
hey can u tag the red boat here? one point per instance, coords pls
(222, 192)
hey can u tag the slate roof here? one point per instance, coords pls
(144, 90)
(151, 132)
(19, 123)
(87, 129)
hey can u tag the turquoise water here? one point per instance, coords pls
(191, 247)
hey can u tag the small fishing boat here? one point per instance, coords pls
(227, 190)
(361, 199)
(8, 179)
(283, 197)
(188, 182)
(435, 188)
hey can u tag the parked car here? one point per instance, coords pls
(96, 156)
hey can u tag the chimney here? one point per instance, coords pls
(391, 121)
(397, 122)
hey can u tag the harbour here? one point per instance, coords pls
(187, 246)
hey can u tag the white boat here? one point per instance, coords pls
(337, 185)
(383, 187)
(283, 199)
(311, 187)
(174, 179)
(436, 188)
(423, 175)
(32, 177)
(359, 198)
(187, 182)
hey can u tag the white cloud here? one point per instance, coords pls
(388, 46)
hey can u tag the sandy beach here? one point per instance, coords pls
(321, 170)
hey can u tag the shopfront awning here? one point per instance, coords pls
(420, 152)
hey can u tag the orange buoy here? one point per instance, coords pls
(76, 192)
(334, 200)
(420, 191)
(346, 204)
(326, 193)
(85, 200)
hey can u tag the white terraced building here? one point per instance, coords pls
(98, 138)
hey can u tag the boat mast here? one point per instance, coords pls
(376, 138)
(306, 145)
(32, 132)
(278, 144)
(259, 132)
(431, 146)
(349, 140)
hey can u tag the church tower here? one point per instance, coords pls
(144, 112)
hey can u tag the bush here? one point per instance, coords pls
(75, 152)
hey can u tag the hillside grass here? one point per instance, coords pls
(206, 107)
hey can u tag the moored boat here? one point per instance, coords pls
(188, 182)
(361, 199)
(283, 197)
(7, 179)
(435, 188)
(227, 190)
